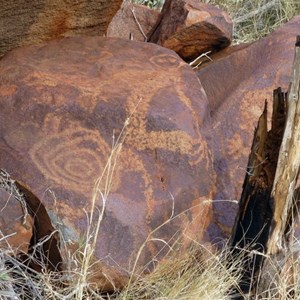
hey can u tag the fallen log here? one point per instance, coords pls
(266, 216)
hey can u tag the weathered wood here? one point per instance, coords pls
(254, 217)
(288, 165)
(279, 267)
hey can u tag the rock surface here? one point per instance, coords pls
(30, 22)
(190, 28)
(133, 21)
(184, 145)
(237, 86)
(62, 102)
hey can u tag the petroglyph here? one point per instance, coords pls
(71, 157)
(69, 109)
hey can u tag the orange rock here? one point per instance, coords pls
(237, 86)
(61, 104)
(63, 101)
(25, 23)
(190, 28)
(133, 22)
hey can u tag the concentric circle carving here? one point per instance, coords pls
(165, 61)
(74, 158)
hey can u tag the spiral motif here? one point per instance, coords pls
(74, 158)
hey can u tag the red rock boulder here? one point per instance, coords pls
(63, 105)
(237, 86)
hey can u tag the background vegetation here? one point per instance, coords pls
(252, 19)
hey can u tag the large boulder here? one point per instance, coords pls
(237, 86)
(30, 22)
(62, 103)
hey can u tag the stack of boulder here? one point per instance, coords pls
(186, 134)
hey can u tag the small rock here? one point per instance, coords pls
(190, 28)
(133, 22)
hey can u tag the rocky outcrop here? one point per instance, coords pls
(133, 22)
(65, 102)
(237, 86)
(190, 28)
(31, 22)
(186, 141)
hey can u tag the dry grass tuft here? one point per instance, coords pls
(198, 273)
(254, 19)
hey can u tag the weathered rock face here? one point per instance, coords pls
(237, 86)
(15, 222)
(133, 21)
(190, 27)
(60, 105)
(30, 22)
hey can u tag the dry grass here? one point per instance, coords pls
(252, 19)
(199, 272)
